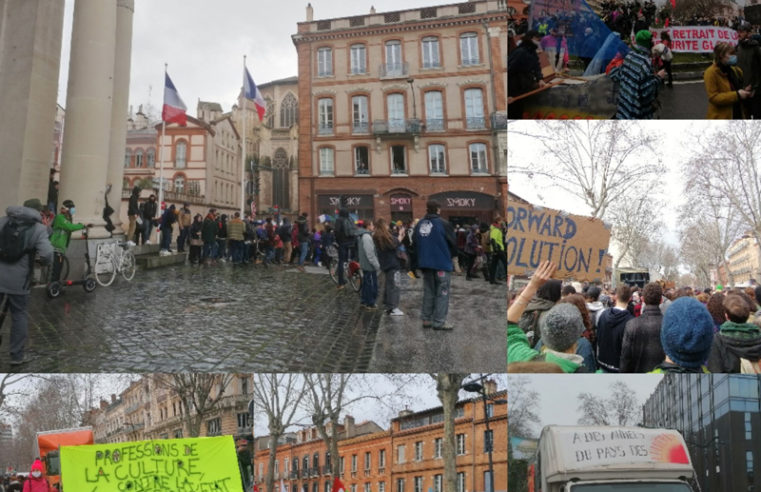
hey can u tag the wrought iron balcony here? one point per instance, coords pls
(393, 70)
(325, 130)
(475, 123)
(362, 171)
(397, 128)
(360, 127)
(499, 120)
(294, 475)
(326, 470)
(434, 124)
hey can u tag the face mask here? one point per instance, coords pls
(732, 60)
(72, 210)
(36, 474)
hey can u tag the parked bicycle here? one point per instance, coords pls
(112, 258)
(352, 271)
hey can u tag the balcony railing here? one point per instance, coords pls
(475, 123)
(361, 127)
(393, 70)
(397, 127)
(326, 470)
(362, 171)
(294, 475)
(325, 130)
(499, 120)
(434, 124)
(305, 473)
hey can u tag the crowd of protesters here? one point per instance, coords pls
(584, 328)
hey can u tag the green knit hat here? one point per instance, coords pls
(643, 37)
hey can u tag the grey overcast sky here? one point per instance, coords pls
(557, 392)
(203, 42)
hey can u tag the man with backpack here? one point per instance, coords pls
(346, 238)
(22, 234)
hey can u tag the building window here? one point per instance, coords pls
(353, 487)
(400, 454)
(478, 158)
(315, 487)
(368, 488)
(382, 459)
(277, 467)
(359, 114)
(434, 111)
(341, 465)
(489, 410)
(178, 434)
(419, 451)
(243, 420)
(431, 52)
(296, 465)
(394, 64)
(461, 482)
(328, 487)
(127, 158)
(361, 160)
(324, 62)
(151, 158)
(358, 59)
(326, 161)
(285, 465)
(305, 464)
(327, 461)
(469, 49)
(325, 116)
(398, 160)
(437, 483)
(280, 178)
(748, 427)
(180, 155)
(395, 105)
(269, 113)
(368, 457)
(316, 461)
(417, 484)
(381, 486)
(214, 427)
(436, 159)
(139, 158)
(488, 440)
(289, 111)
(437, 447)
(474, 109)
(353, 463)
(399, 485)
(460, 444)
(179, 184)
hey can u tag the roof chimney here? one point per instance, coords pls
(372, 9)
(490, 386)
(310, 13)
(113, 397)
(103, 404)
(349, 425)
(405, 413)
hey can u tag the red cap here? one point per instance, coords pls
(37, 465)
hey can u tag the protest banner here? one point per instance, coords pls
(576, 244)
(201, 464)
(697, 39)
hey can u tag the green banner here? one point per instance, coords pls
(201, 464)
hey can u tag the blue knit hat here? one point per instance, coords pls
(687, 332)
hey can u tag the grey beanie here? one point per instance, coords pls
(561, 327)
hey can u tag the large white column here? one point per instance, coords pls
(86, 141)
(124, 12)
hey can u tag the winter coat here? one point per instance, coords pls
(149, 210)
(721, 95)
(303, 229)
(368, 258)
(186, 218)
(749, 61)
(523, 69)
(518, 350)
(583, 349)
(62, 229)
(610, 337)
(285, 231)
(595, 308)
(387, 257)
(14, 277)
(495, 238)
(209, 230)
(435, 243)
(733, 342)
(638, 91)
(133, 208)
(195, 230)
(41, 484)
(168, 218)
(345, 229)
(235, 230)
(641, 350)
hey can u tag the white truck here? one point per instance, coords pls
(611, 459)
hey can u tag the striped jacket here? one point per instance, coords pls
(638, 90)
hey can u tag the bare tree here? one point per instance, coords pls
(620, 408)
(522, 409)
(635, 222)
(448, 388)
(686, 9)
(279, 396)
(199, 394)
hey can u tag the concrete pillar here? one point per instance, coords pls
(124, 12)
(30, 58)
(84, 163)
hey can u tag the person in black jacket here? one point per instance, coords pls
(386, 245)
(303, 237)
(610, 331)
(346, 239)
(738, 342)
(133, 210)
(149, 215)
(641, 350)
(524, 73)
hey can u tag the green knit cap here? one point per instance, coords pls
(643, 37)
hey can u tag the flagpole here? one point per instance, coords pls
(243, 148)
(161, 157)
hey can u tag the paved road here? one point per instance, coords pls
(686, 101)
(225, 318)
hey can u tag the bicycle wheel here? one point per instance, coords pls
(333, 269)
(65, 268)
(105, 270)
(128, 265)
(356, 280)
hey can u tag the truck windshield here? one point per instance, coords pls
(631, 487)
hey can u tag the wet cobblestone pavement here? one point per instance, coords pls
(226, 318)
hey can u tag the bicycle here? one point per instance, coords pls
(112, 258)
(351, 267)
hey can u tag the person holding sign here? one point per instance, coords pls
(724, 85)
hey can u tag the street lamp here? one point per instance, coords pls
(479, 387)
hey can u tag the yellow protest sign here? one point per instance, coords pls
(201, 464)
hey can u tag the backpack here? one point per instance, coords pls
(13, 239)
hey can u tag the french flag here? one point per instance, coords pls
(174, 109)
(250, 91)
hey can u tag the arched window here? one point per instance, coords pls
(180, 154)
(127, 157)
(179, 184)
(139, 158)
(280, 179)
(151, 157)
(270, 113)
(289, 110)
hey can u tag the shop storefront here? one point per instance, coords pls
(357, 204)
(466, 207)
(401, 207)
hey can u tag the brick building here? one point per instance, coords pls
(407, 457)
(400, 107)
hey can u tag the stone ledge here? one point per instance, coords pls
(149, 262)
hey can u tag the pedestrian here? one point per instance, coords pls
(749, 61)
(641, 350)
(435, 245)
(196, 243)
(303, 238)
(317, 246)
(327, 240)
(546, 297)
(184, 220)
(725, 86)
(498, 255)
(235, 234)
(209, 237)
(53, 186)
(638, 85)
(368, 262)
(737, 346)
(686, 337)
(149, 216)
(279, 245)
(667, 57)
(610, 331)
(585, 347)
(592, 296)
(63, 226)
(222, 252)
(269, 228)
(556, 47)
(387, 245)
(133, 211)
(285, 232)
(36, 482)
(410, 249)
(346, 238)
(524, 72)
(472, 251)
(168, 219)
(21, 235)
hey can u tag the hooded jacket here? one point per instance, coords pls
(532, 316)
(14, 277)
(734, 341)
(435, 243)
(38, 484)
(368, 258)
(642, 350)
(62, 229)
(610, 337)
(134, 208)
(518, 350)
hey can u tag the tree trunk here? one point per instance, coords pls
(270, 478)
(447, 387)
